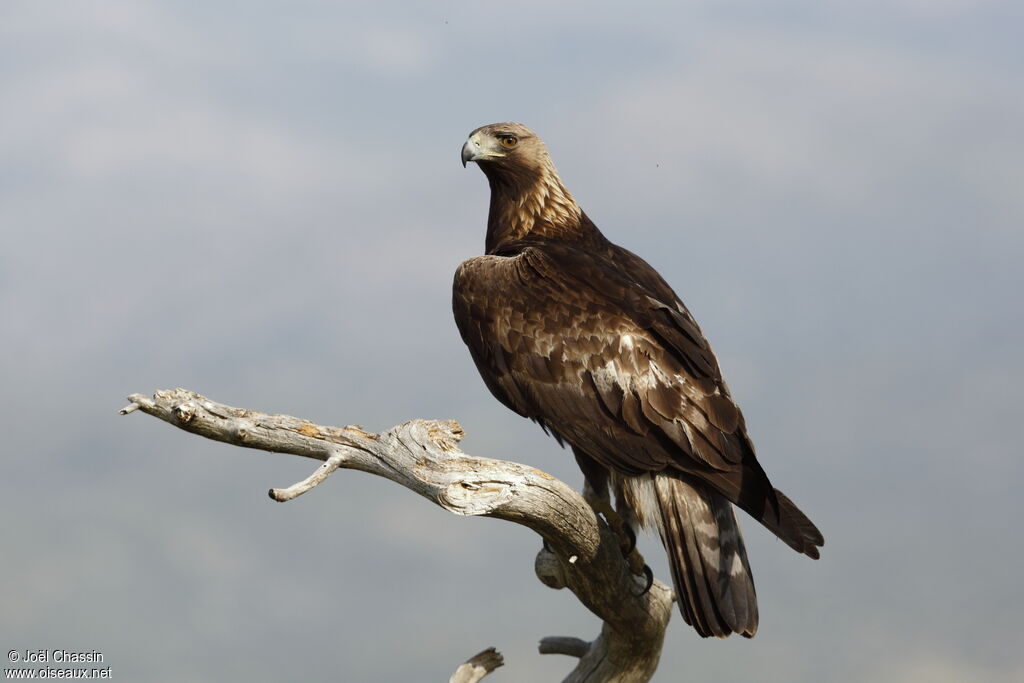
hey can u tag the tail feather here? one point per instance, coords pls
(712, 578)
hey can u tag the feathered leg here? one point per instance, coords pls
(596, 493)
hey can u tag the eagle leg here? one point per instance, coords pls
(598, 495)
(623, 530)
(628, 524)
(630, 533)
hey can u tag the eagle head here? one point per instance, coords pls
(527, 196)
(505, 146)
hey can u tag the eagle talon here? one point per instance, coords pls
(636, 563)
(630, 539)
(649, 576)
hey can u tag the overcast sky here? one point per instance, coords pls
(263, 202)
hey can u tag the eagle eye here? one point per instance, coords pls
(509, 140)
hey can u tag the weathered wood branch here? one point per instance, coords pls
(582, 553)
(477, 666)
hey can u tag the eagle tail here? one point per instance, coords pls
(712, 578)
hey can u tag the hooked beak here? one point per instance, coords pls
(470, 152)
(474, 150)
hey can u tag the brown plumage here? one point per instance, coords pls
(586, 339)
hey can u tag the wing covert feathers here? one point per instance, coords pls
(585, 345)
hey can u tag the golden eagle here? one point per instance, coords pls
(586, 339)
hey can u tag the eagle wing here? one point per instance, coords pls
(590, 351)
(598, 350)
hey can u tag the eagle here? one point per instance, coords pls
(586, 339)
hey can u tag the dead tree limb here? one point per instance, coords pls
(477, 666)
(582, 553)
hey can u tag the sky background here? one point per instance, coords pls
(263, 202)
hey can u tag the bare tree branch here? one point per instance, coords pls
(563, 645)
(477, 666)
(332, 463)
(582, 553)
